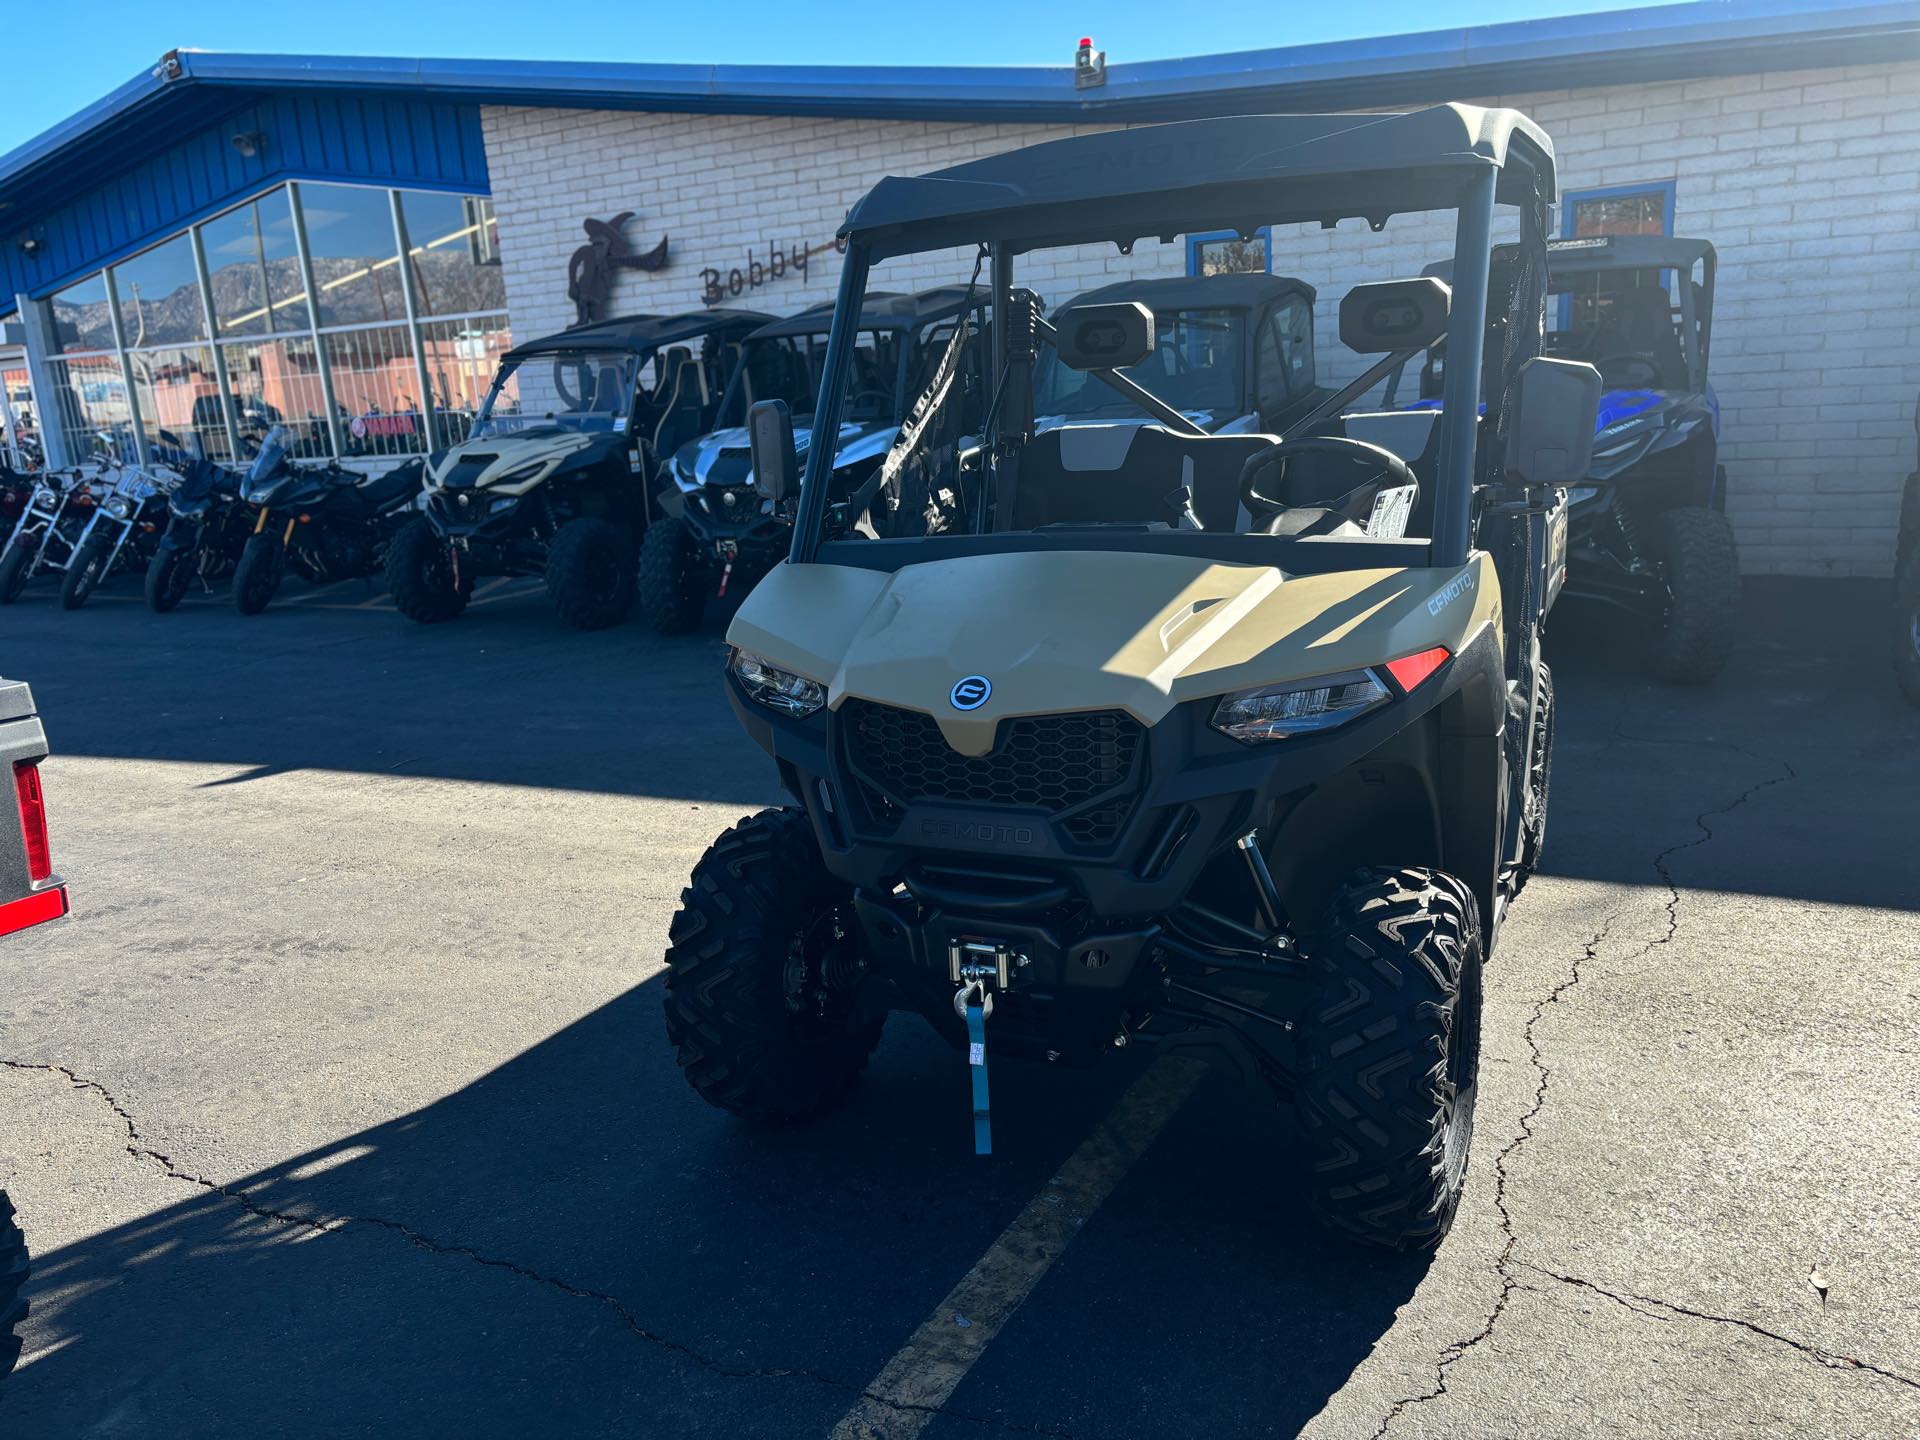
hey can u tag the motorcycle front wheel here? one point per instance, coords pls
(169, 577)
(84, 571)
(258, 574)
(13, 572)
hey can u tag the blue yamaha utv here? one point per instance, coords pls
(1648, 527)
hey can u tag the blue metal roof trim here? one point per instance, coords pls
(85, 164)
(417, 142)
(1607, 47)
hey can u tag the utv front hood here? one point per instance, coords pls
(484, 464)
(1633, 424)
(1074, 631)
(723, 457)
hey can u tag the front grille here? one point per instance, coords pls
(1081, 770)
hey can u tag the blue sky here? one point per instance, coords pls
(65, 56)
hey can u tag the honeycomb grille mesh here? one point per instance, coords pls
(1053, 763)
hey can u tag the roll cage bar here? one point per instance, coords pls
(1237, 174)
(904, 316)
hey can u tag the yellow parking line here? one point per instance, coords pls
(920, 1379)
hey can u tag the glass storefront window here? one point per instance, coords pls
(159, 294)
(80, 317)
(280, 366)
(454, 247)
(179, 397)
(91, 403)
(278, 382)
(377, 389)
(253, 265)
(462, 357)
(356, 264)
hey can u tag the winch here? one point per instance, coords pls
(979, 967)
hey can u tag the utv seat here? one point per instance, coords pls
(1124, 474)
(1639, 323)
(683, 411)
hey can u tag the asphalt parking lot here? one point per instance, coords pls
(343, 1105)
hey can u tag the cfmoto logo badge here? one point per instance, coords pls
(970, 693)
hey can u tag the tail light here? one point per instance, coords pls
(33, 819)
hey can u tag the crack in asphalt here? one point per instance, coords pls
(1504, 1262)
(137, 1146)
(1832, 1359)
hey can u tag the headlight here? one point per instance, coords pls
(1580, 494)
(504, 502)
(119, 508)
(775, 688)
(1299, 707)
(532, 470)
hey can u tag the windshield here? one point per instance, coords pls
(984, 457)
(273, 452)
(1637, 325)
(788, 367)
(1198, 363)
(588, 390)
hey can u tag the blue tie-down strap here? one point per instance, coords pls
(977, 1063)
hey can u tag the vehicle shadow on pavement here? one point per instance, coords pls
(1803, 741)
(506, 695)
(574, 1243)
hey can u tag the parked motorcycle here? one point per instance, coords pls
(323, 522)
(45, 535)
(208, 525)
(122, 532)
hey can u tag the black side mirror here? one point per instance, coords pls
(776, 463)
(1555, 405)
(1383, 317)
(1104, 337)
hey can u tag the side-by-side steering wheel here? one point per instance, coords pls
(1268, 484)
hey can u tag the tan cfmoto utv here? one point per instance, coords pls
(1134, 734)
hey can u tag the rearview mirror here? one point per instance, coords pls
(1555, 405)
(776, 463)
(1104, 337)
(1384, 316)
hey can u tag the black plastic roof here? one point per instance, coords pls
(1235, 172)
(642, 333)
(1236, 291)
(1625, 252)
(1592, 256)
(883, 310)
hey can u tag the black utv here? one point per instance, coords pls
(1649, 530)
(555, 478)
(1224, 744)
(1232, 352)
(715, 533)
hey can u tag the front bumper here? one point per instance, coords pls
(1087, 914)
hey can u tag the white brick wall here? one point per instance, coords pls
(1808, 183)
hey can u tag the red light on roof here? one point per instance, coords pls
(1409, 671)
(1085, 43)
